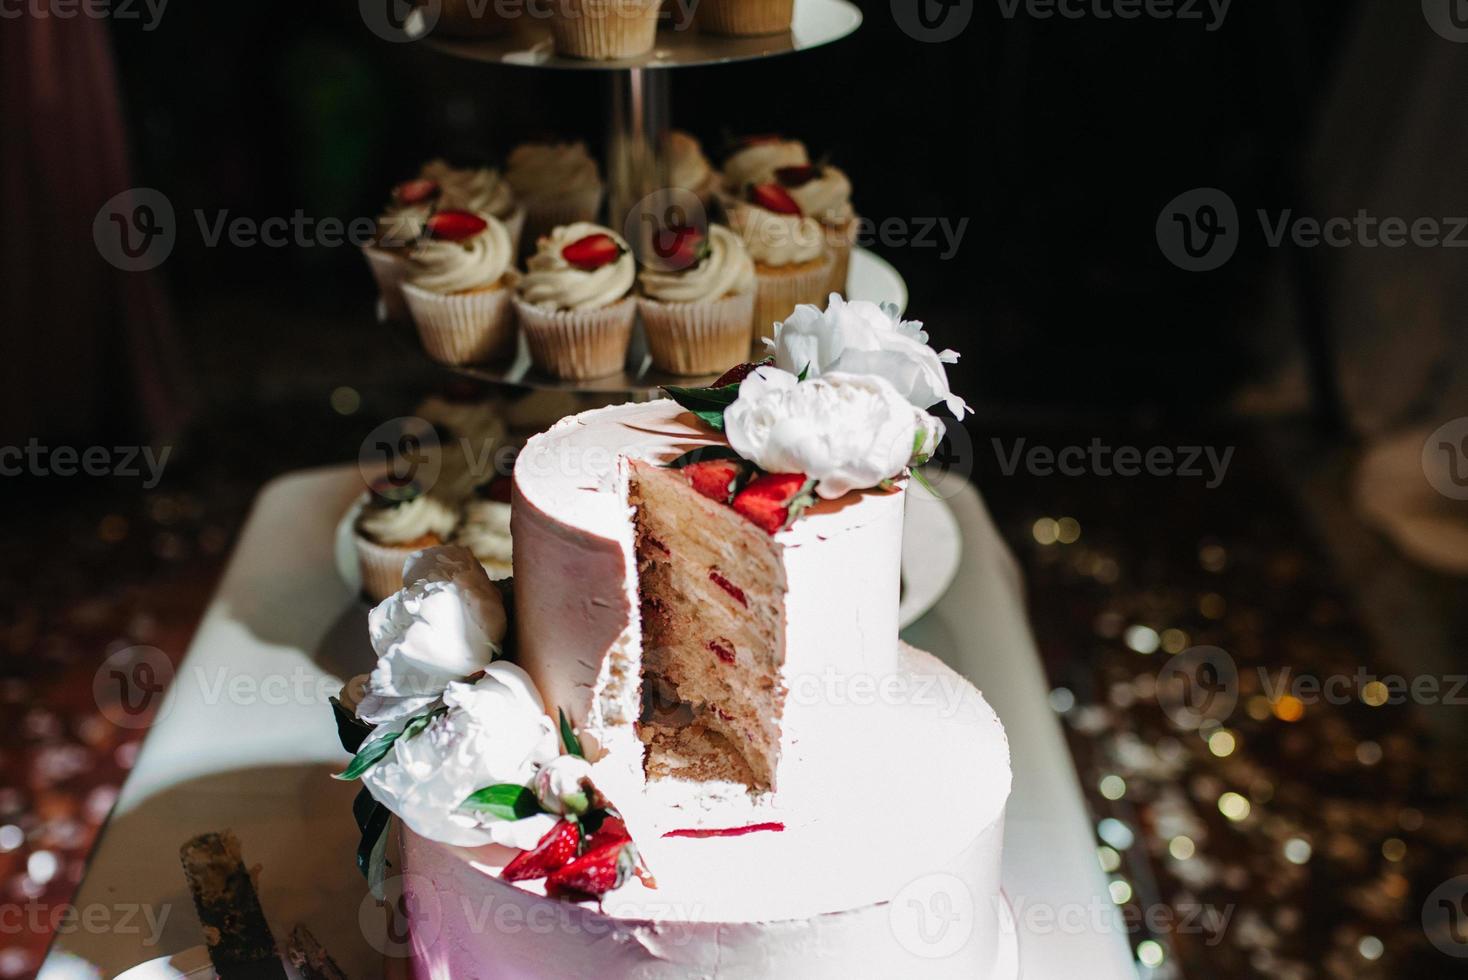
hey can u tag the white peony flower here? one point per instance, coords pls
(847, 431)
(860, 337)
(444, 625)
(558, 784)
(495, 731)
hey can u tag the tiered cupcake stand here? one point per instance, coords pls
(638, 121)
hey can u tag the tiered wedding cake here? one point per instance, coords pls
(750, 776)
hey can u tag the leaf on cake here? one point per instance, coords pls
(508, 801)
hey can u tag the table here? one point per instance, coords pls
(244, 740)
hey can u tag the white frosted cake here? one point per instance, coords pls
(748, 774)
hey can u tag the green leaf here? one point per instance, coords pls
(373, 749)
(350, 730)
(703, 454)
(372, 820)
(707, 403)
(508, 801)
(803, 372)
(573, 744)
(918, 476)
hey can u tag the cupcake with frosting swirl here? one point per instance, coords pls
(397, 520)
(697, 301)
(792, 264)
(558, 183)
(824, 193)
(484, 527)
(482, 189)
(688, 168)
(459, 286)
(574, 302)
(754, 160)
(398, 228)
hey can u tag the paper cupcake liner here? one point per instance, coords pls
(578, 345)
(544, 214)
(782, 288)
(698, 338)
(839, 239)
(464, 328)
(388, 269)
(603, 30)
(382, 567)
(744, 18)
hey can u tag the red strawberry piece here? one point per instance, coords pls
(415, 191)
(716, 577)
(611, 831)
(594, 873)
(798, 175)
(722, 649)
(592, 252)
(716, 479)
(737, 374)
(773, 197)
(454, 226)
(682, 247)
(774, 500)
(554, 851)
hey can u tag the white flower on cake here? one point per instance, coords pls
(859, 337)
(445, 624)
(846, 431)
(558, 784)
(495, 731)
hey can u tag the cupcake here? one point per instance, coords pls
(824, 193)
(574, 305)
(755, 159)
(744, 18)
(604, 30)
(558, 183)
(396, 521)
(698, 304)
(467, 18)
(459, 286)
(688, 168)
(398, 228)
(484, 527)
(478, 189)
(791, 262)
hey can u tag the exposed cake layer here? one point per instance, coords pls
(918, 797)
(806, 608)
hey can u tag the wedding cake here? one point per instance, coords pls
(692, 745)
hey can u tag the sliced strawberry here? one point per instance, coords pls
(737, 373)
(611, 831)
(592, 252)
(594, 873)
(415, 191)
(454, 226)
(797, 176)
(682, 247)
(775, 500)
(554, 851)
(773, 197)
(716, 479)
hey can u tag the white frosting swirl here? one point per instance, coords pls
(726, 269)
(777, 239)
(827, 198)
(555, 284)
(401, 224)
(484, 528)
(442, 266)
(846, 431)
(756, 163)
(471, 188)
(395, 524)
(687, 166)
(551, 170)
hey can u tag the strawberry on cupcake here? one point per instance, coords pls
(459, 286)
(397, 520)
(697, 300)
(792, 264)
(398, 228)
(477, 189)
(754, 160)
(574, 302)
(824, 193)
